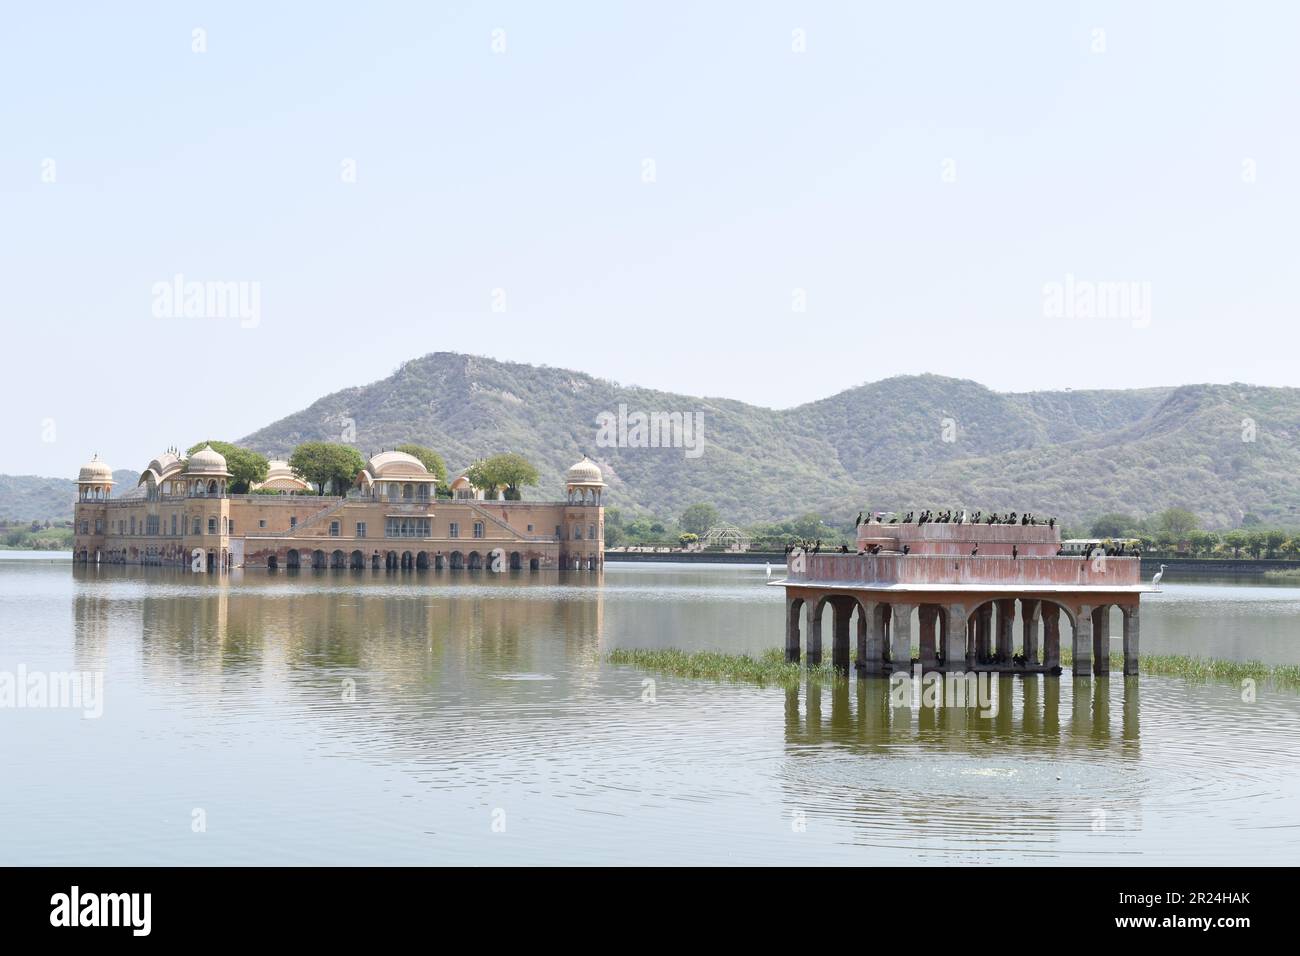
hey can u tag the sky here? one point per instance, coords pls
(762, 201)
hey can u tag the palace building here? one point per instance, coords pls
(181, 513)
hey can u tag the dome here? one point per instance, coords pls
(165, 462)
(584, 472)
(395, 463)
(96, 471)
(206, 461)
(167, 465)
(279, 468)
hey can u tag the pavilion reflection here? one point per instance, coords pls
(1029, 712)
(948, 781)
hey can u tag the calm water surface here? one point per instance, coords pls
(482, 699)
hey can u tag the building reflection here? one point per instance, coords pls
(408, 625)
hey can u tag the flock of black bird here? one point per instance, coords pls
(952, 516)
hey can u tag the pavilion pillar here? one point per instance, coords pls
(1051, 614)
(900, 648)
(1130, 639)
(862, 635)
(814, 639)
(1082, 647)
(1029, 612)
(984, 633)
(972, 641)
(928, 614)
(843, 608)
(1101, 640)
(792, 605)
(1006, 622)
(954, 637)
(871, 639)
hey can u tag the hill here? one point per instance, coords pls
(28, 497)
(907, 441)
(903, 442)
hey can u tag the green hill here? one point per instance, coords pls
(1074, 454)
(904, 442)
(30, 497)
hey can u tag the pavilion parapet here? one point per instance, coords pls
(939, 570)
(1035, 540)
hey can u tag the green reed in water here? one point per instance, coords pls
(771, 669)
(768, 669)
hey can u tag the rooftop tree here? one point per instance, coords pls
(510, 471)
(326, 463)
(429, 458)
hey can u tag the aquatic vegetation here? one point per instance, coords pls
(1202, 669)
(768, 669)
(771, 669)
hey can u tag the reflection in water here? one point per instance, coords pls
(330, 620)
(474, 692)
(864, 713)
(947, 773)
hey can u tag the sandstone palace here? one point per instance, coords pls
(181, 513)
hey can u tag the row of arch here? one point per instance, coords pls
(358, 560)
(339, 559)
(952, 636)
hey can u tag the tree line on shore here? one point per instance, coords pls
(35, 535)
(1178, 531)
(1174, 531)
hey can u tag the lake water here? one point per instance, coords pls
(487, 727)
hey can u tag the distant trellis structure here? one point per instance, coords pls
(731, 539)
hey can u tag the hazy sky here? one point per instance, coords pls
(912, 175)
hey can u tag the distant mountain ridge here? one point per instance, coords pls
(903, 442)
(31, 497)
(1073, 454)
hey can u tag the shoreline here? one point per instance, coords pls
(1215, 567)
(1197, 567)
